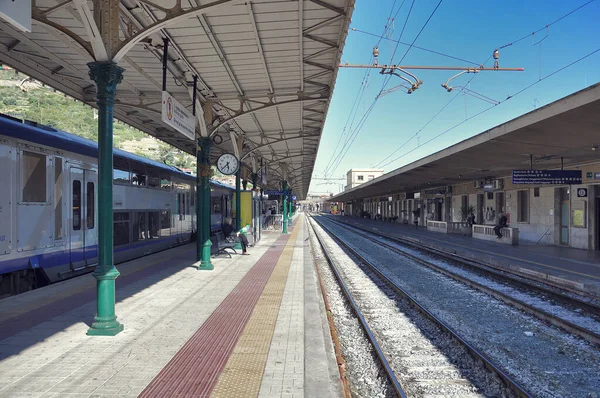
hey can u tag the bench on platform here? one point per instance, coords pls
(223, 245)
(449, 227)
(437, 226)
(510, 236)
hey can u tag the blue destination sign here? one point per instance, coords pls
(561, 177)
(273, 192)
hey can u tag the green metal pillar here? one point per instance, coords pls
(204, 243)
(290, 219)
(285, 214)
(107, 76)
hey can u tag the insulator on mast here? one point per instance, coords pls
(375, 54)
(496, 56)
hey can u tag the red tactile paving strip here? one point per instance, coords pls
(195, 369)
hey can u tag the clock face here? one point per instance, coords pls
(227, 164)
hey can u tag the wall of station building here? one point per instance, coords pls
(564, 215)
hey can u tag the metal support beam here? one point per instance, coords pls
(322, 97)
(174, 19)
(107, 76)
(329, 6)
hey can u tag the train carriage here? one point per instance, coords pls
(49, 201)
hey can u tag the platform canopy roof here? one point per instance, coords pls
(266, 68)
(568, 128)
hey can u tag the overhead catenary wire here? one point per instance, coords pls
(475, 75)
(419, 48)
(493, 106)
(370, 109)
(358, 98)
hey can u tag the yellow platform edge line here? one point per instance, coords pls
(243, 373)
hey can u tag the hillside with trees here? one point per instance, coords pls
(26, 98)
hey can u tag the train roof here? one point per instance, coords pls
(49, 136)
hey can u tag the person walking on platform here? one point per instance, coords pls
(502, 220)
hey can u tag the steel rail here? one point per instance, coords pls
(494, 271)
(543, 315)
(513, 385)
(382, 358)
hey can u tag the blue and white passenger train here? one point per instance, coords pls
(48, 205)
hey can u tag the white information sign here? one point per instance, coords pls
(17, 13)
(177, 116)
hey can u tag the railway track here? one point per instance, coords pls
(578, 305)
(440, 375)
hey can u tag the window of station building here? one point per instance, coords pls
(371, 177)
(490, 196)
(34, 177)
(58, 198)
(91, 192)
(76, 205)
(121, 228)
(121, 173)
(138, 176)
(536, 192)
(523, 206)
(360, 178)
(165, 183)
(153, 224)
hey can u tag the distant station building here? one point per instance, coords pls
(541, 170)
(355, 177)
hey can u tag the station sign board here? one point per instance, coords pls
(17, 13)
(273, 192)
(546, 177)
(177, 116)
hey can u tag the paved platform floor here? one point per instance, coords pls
(572, 268)
(254, 326)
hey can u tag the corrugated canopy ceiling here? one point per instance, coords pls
(268, 68)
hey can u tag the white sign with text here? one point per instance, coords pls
(177, 116)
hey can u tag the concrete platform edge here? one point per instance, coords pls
(319, 376)
(506, 265)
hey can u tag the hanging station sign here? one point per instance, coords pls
(177, 116)
(560, 177)
(273, 192)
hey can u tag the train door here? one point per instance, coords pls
(83, 232)
(6, 212)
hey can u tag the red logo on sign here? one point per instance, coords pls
(169, 109)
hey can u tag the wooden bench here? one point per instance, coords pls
(223, 245)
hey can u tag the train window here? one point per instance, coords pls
(140, 230)
(34, 177)
(138, 177)
(121, 228)
(58, 198)
(153, 182)
(153, 224)
(216, 204)
(90, 206)
(121, 173)
(192, 196)
(76, 205)
(165, 223)
(165, 183)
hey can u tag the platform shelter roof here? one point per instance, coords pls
(568, 128)
(266, 68)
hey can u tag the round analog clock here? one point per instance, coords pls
(228, 164)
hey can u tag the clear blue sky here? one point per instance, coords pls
(466, 29)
